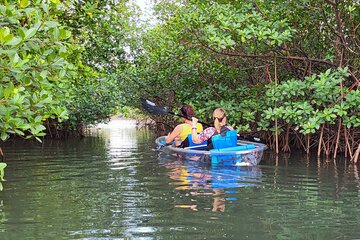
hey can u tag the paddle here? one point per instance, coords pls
(151, 107)
(251, 138)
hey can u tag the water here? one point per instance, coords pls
(111, 185)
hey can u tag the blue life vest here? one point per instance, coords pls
(219, 137)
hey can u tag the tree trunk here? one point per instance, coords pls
(337, 139)
(1, 154)
(320, 140)
(356, 155)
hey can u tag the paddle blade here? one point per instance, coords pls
(151, 107)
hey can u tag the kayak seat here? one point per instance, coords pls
(234, 149)
(229, 140)
(164, 143)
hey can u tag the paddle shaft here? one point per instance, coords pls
(180, 115)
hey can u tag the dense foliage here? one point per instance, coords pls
(60, 63)
(35, 68)
(284, 70)
(106, 30)
(287, 69)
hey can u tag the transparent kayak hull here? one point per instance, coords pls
(246, 153)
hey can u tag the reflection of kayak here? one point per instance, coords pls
(194, 175)
(245, 153)
(233, 177)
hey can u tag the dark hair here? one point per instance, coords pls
(187, 111)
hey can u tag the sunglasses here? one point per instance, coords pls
(220, 119)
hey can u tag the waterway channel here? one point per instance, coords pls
(113, 185)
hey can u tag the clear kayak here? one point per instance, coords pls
(245, 153)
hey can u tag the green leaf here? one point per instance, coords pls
(14, 41)
(44, 74)
(4, 33)
(56, 33)
(21, 33)
(4, 136)
(38, 119)
(2, 9)
(51, 24)
(62, 73)
(18, 132)
(14, 58)
(24, 3)
(45, 7)
(8, 91)
(30, 33)
(24, 126)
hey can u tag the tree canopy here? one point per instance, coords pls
(60, 62)
(285, 68)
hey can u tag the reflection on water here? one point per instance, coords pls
(121, 139)
(197, 178)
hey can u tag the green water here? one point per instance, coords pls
(112, 185)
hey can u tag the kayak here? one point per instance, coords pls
(244, 153)
(229, 151)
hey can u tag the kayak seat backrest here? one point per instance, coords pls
(192, 144)
(229, 140)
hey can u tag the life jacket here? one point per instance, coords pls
(223, 131)
(186, 130)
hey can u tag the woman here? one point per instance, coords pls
(182, 130)
(220, 127)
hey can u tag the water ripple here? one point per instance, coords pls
(112, 186)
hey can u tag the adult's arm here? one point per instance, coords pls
(175, 133)
(194, 134)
